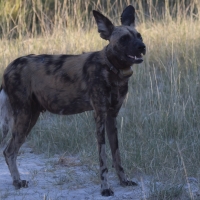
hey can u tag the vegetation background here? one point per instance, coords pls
(159, 127)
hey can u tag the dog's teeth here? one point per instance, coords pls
(131, 56)
(136, 58)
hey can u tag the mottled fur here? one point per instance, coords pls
(70, 84)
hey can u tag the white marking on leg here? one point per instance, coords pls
(6, 113)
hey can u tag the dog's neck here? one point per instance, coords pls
(116, 66)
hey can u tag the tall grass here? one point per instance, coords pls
(159, 121)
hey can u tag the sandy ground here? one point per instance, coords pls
(60, 179)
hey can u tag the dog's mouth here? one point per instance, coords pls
(136, 59)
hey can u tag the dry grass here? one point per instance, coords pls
(159, 122)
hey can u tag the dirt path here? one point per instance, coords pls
(59, 179)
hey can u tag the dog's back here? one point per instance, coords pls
(58, 83)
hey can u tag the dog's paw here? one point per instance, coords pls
(20, 184)
(128, 183)
(107, 192)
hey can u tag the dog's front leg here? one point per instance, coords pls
(100, 118)
(111, 129)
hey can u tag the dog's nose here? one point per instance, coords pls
(142, 48)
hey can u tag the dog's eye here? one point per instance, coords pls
(124, 38)
(139, 36)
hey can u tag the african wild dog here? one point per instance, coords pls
(70, 84)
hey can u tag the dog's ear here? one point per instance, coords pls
(128, 16)
(105, 26)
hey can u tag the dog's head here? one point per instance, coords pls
(125, 46)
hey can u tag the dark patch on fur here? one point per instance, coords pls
(47, 60)
(75, 105)
(121, 169)
(59, 62)
(64, 56)
(21, 61)
(37, 104)
(90, 61)
(65, 77)
(48, 63)
(123, 90)
(58, 66)
(16, 79)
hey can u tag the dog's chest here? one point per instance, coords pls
(118, 92)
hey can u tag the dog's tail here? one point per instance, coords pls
(6, 113)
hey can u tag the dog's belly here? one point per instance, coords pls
(64, 103)
(76, 106)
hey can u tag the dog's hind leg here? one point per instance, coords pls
(23, 123)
